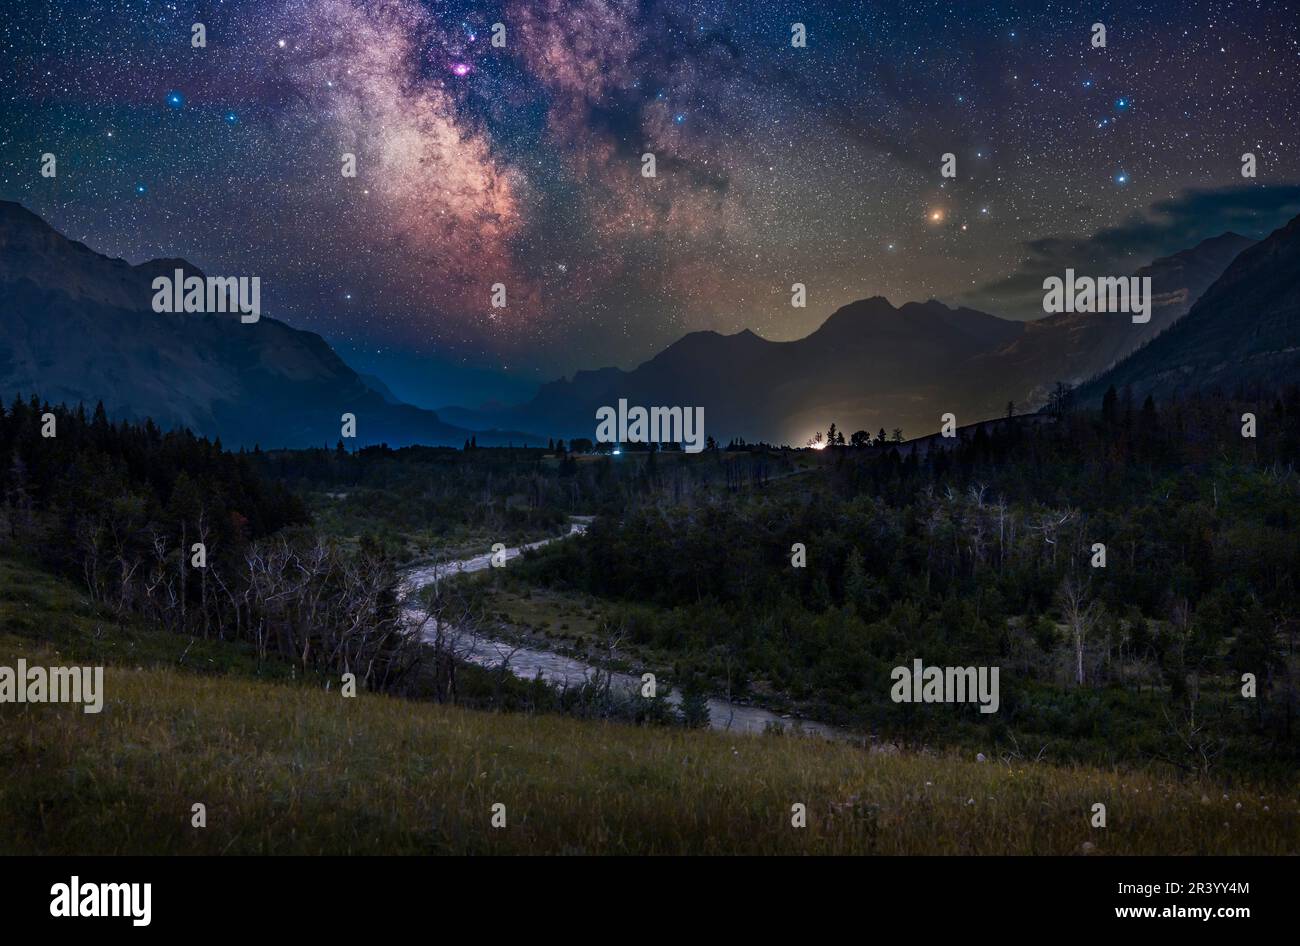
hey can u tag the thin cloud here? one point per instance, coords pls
(1168, 226)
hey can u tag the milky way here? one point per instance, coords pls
(521, 165)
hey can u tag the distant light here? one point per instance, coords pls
(618, 453)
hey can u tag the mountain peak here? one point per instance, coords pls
(31, 249)
(1217, 251)
(80, 327)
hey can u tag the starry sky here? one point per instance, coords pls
(522, 165)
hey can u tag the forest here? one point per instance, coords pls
(1124, 567)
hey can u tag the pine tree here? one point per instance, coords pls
(1109, 414)
(695, 706)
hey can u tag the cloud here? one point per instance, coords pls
(1168, 226)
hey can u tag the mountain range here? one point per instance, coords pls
(1243, 333)
(78, 327)
(873, 365)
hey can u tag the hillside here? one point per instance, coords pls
(1075, 346)
(290, 767)
(78, 327)
(1243, 332)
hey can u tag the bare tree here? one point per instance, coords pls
(1081, 616)
(1195, 747)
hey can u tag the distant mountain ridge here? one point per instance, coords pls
(872, 365)
(79, 327)
(1075, 346)
(754, 387)
(1244, 331)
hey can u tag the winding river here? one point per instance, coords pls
(560, 670)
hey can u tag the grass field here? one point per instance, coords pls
(285, 766)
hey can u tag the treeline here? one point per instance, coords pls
(438, 494)
(173, 528)
(987, 552)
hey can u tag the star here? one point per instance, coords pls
(806, 161)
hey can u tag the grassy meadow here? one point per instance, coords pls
(284, 765)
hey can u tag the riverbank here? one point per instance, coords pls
(532, 660)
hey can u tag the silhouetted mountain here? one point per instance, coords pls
(376, 384)
(1075, 346)
(1243, 332)
(79, 327)
(871, 365)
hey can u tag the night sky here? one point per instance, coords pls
(522, 165)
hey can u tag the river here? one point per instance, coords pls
(560, 670)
